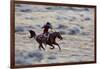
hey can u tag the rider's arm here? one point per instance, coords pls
(43, 26)
(50, 26)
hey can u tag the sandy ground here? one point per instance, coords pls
(76, 26)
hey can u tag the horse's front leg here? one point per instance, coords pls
(52, 47)
(57, 45)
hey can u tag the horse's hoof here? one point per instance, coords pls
(52, 48)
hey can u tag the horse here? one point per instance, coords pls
(51, 40)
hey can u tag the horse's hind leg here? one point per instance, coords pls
(41, 46)
(57, 45)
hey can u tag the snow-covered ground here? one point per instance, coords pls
(76, 26)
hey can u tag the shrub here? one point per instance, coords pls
(60, 26)
(25, 10)
(19, 29)
(73, 31)
(62, 32)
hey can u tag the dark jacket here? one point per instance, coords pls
(46, 28)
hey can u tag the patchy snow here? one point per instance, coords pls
(75, 25)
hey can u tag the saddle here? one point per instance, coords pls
(45, 36)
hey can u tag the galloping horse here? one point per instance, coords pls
(51, 40)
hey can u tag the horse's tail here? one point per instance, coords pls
(32, 34)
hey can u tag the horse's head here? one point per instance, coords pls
(32, 34)
(59, 35)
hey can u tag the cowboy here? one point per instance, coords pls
(46, 27)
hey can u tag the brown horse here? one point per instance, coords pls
(51, 40)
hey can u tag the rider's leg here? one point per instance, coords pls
(47, 36)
